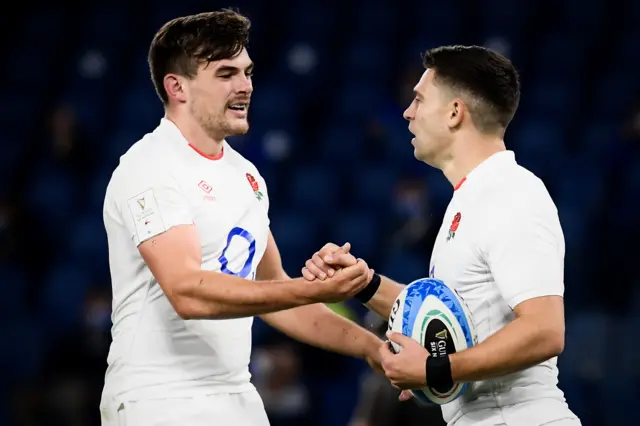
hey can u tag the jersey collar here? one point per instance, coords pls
(494, 162)
(167, 126)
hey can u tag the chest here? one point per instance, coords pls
(229, 207)
(457, 257)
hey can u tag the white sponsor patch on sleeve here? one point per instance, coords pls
(145, 212)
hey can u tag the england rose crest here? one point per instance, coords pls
(254, 185)
(454, 226)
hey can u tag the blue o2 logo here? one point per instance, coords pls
(246, 268)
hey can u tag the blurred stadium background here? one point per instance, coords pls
(332, 80)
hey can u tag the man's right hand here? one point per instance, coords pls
(343, 284)
(327, 261)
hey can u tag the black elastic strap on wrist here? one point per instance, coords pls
(367, 293)
(439, 373)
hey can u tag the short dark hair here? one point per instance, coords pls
(186, 42)
(483, 74)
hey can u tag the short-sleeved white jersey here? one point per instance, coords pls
(163, 182)
(500, 244)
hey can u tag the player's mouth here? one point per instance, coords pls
(239, 109)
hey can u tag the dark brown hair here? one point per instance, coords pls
(186, 42)
(486, 76)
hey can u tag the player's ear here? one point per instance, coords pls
(175, 87)
(456, 112)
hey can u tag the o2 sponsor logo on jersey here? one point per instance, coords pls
(247, 269)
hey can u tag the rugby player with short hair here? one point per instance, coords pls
(191, 256)
(500, 246)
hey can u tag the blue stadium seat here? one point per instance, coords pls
(302, 65)
(51, 198)
(538, 145)
(274, 107)
(554, 99)
(63, 295)
(582, 363)
(22, 359)
(583, 18)
(13, 149)
(25, 67)
(168, 11)
(311, 20)
(440, 190)
(109, 23)
(504, 18)
(357, 101)
(574, 224)
(13, 284)
(140, 109)
(377, 20)
(365, 61)
(119, 143)
(615, 93)
(293, 230)
(634, 15)
(581, 185)
(343, 144)
(21, 107)
(444, 24)
(296, 235)
(361, 229)
(567, 53)
(537, 137)
(44, 23)
(619, 390)
(88, 243)
(315, 190)
(599, 140)
(373, 187)
(405, 267)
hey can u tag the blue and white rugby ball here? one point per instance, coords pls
(435, 316)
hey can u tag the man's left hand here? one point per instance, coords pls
(407, 369)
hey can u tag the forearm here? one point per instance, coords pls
(213, 295)
(319, 326)
(521, 344)
(382, 301)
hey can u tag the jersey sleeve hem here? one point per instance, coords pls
(532, 294)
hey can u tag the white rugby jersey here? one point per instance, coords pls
(500, 244)
(161, 182)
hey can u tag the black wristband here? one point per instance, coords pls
(439, 373)
(364, 295)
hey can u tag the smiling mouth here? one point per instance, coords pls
(239, 106)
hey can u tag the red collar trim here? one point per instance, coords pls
(459, 184)
(208, 157)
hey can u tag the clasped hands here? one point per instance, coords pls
(405, 370)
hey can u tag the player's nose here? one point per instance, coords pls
(245, 86)
(408, 114)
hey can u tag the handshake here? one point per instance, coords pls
(336, 273)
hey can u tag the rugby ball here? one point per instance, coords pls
(436, 317)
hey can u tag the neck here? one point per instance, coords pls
(193, 132)
(467, 152)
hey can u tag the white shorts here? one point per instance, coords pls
(543, 412)
(235, 409)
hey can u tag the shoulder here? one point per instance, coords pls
(145, 165)
(519, 207)
(520, 192)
